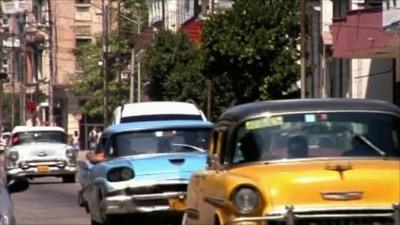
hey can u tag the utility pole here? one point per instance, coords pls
(105, 19)
(13, 69)
(1, 81)
(119, 40)
(21, 27)
(132, 78)
(51, 65)
(303, 48)
(209, 89)
(163, 14)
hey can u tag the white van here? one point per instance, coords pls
(161, 110)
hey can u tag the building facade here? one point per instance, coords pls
(350, 54)
(43, 65)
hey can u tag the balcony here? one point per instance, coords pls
(360, 35)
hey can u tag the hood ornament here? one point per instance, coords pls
(41, 154)
(342, 196)
(340, 168)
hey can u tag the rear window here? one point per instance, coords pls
(160, 117)
(39, 136)
(160, 141)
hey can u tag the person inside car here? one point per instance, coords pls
(297, 147)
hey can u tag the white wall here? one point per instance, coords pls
(177, 12)
(372, 78)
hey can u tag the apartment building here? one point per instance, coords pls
(43, 65)
(350, 54)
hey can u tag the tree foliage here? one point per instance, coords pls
(90, 83)
(173, 67)
(250, 51)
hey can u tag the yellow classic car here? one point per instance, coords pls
(308, 162)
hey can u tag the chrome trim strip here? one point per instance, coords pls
(342, 195)
(318, 210)
(215, 201)
(192, 214)
(158, 196)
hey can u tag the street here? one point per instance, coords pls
(49, 202)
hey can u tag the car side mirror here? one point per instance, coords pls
(17, 184)
(214, 162)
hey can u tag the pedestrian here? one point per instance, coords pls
(93, 139)
(75, 140)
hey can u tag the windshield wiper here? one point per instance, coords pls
(190, 146)
(370, 144)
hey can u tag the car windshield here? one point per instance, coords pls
(39, 136)
(160, 141)
(336, 134)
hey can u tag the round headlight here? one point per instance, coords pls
(120, 174)
(126, 174)
(70, 153)
(13, 156)
(246, 199)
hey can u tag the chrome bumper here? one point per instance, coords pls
(143, 203)
(35, 171)
(290, 217)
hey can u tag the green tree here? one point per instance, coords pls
(250, 51)
(173, 67)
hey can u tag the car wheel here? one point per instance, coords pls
(69, 178)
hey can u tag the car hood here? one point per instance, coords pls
(326, 183)
(161, 164)
(40, 150)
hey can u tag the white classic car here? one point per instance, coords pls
(41, 151)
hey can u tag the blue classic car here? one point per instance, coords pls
(142, 167)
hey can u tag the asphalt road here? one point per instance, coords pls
(49, 202)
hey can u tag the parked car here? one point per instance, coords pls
(8, 186)
(157, 110)
(143, 168)
(41, 151)
(4, 140)
(311, 161)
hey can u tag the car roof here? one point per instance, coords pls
(254, 109)
(19, 129)
(160, 107)
(162, 124)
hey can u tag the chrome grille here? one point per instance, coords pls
(152, 202)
